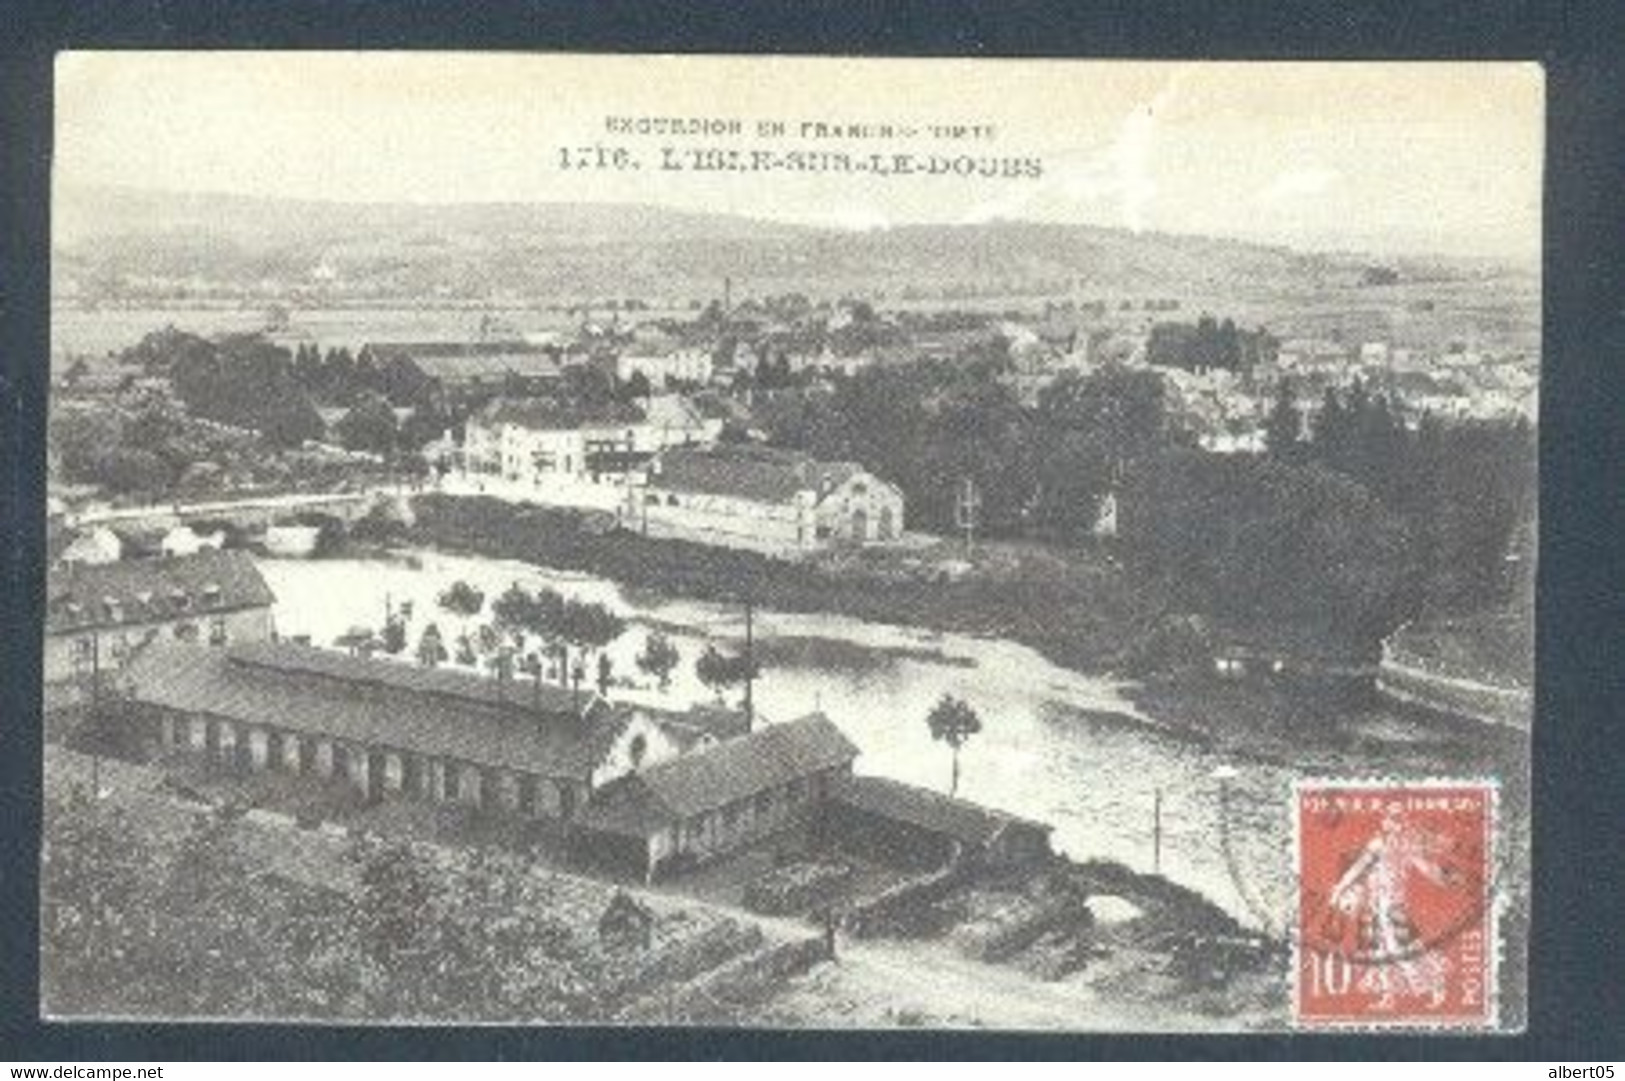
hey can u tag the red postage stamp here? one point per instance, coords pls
(1395, 904)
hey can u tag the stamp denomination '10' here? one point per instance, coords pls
(1395, 914)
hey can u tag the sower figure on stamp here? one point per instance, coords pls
(1374, 890)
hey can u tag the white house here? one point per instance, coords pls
(97, 546)
(184, 541)
(664, 367)
(553, 453)
(767, 500)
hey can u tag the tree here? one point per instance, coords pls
(394, 637)
(636, 388)
(512, 609)
(659, 658)
(605, 671)
(130, 469)
(952, 721)
(426, 423)
(338, 375)
(431, 648)
(1258, 540)
(588, 385)
(1284, 425)
(500, 662)
(588, 626)
(359, 641)
(462, 600)
(246, 381)
(720, 671)
(369, 425)
(540, 614)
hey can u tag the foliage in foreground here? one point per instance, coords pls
(136, 925)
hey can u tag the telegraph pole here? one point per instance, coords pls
(967, 511)
(750, 666)
(96, 715)
(1156, 833)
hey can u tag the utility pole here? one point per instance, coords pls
(750, 666)
(95, 715)
(1156, 833)
(967, 512)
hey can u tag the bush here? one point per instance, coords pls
(124, 470)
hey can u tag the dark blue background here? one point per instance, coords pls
(1577, 1004)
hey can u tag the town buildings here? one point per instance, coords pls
(455, 375)
(665, 366)
(96, 545)
(548, 451)
(99, 615)
(763, 499)
(643, 794)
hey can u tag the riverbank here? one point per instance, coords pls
(1082, 610)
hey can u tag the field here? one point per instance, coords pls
(1496, 310)
(76, 331)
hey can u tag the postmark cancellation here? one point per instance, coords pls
(1396, 893)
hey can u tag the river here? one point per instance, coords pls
(1063, 747)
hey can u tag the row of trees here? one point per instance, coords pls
(341, 378)
(1462, 489)
(929, 425)
(372, 425)
(1241, 536)
(244, 381)
(151, 448)
(1209, 343)
(531, 631)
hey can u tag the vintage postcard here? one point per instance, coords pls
(791, 542)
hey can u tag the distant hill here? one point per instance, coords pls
(118, 241)
(99, 213)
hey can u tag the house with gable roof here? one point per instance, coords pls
(688, 810)
(391, 729)
(778, 502)
(98, 615)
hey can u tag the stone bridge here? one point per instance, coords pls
(253, 513)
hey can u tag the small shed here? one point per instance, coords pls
(915, 826)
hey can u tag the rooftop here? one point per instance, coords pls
(969, 823)
(387, 350)
(429, 711)
(728, 772)
(546, 414)
(132, 591)
(762, 474)
(456, 361)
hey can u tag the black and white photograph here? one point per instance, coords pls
(791, 542)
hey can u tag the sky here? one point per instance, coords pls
(1392, 157)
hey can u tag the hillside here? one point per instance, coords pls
(121, 240)
(129, 250)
